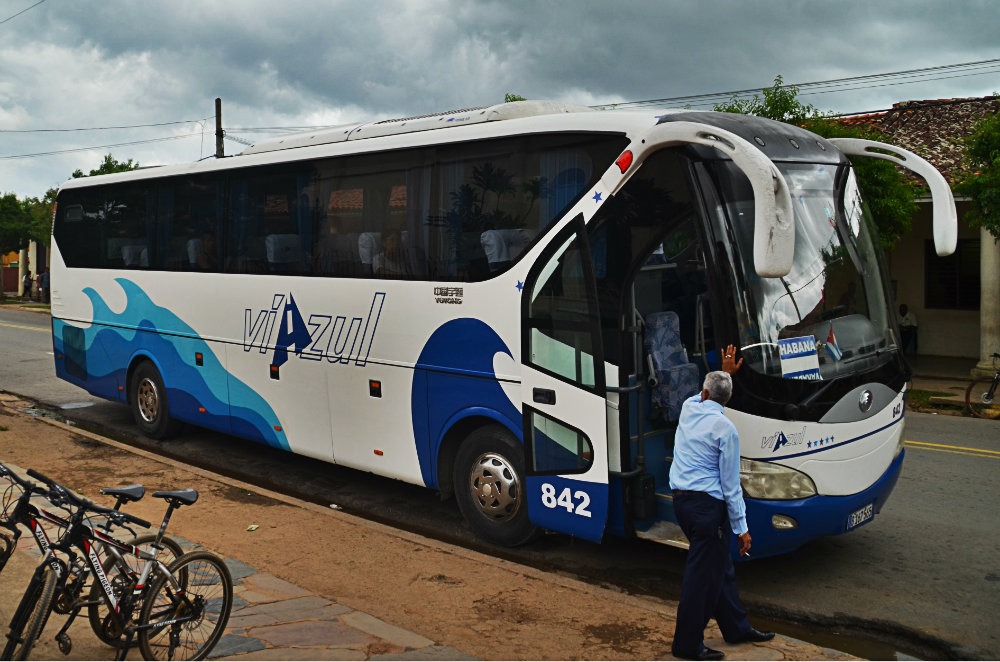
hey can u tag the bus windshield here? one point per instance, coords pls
(828, 316)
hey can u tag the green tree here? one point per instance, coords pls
(510, 96)
(779, 102)
(983, 185)
(39, 212)
(890, 195)
(108, 166)
(15, 224)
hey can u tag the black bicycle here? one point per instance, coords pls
(980, 397)
(121, 569)
(175, 612)
(32, 612)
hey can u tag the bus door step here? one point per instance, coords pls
(665, 533)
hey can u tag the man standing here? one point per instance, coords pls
(907, 329)
(708, 500)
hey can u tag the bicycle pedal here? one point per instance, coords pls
(65, 643)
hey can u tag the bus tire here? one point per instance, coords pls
(148, 400)
(490, 488)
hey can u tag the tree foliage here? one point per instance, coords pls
(983, 185)
(510, 96)
(15, 224)
(779, 102)
(109, 165)
(890, 196)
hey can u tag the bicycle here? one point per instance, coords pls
(32, 611)
(120, 569)
(980, 397)
(182, 609)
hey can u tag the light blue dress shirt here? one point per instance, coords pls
(707, 457)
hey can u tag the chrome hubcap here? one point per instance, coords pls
(495, 487)
(148, 400)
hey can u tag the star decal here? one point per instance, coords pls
(520, 285)
(597, 196)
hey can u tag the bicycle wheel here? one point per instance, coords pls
(122, 574)
(201, 611)
(31, 615)
(6, 548)
(979, 401)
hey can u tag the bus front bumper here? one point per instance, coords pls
(779, 527)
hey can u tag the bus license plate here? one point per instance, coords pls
(860, 516)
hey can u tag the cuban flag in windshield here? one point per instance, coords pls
(831, 345)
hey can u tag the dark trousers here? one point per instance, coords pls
(709, 587)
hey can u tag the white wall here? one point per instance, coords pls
(941, 332)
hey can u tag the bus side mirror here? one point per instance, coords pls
(774, 217)
(942, 201)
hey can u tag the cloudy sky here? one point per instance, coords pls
(69, 65)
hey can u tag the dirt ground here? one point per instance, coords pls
(488, 608)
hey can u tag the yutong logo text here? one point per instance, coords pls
(338, 338)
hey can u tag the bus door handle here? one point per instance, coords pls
(545, 396)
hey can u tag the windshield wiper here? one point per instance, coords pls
(792, 410)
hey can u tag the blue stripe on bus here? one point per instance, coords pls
(454, 379)
(113, 339)
(843, 443)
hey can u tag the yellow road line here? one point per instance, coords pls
(957, 450)
(26, 328)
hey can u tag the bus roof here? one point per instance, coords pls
(503, 111)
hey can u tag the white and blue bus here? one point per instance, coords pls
(508, 304)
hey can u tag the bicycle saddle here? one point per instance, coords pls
(186, 497)
(126, 493)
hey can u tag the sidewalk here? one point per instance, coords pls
(943, 375)
(348, 588)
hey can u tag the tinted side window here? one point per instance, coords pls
(461, 212)
(454, 212)
(110, 226)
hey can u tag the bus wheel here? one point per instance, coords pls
(489, 487)
(148, 399)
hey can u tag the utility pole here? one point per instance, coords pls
(219, 149)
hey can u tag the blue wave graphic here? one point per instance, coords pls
(97, 358)
(454, 378)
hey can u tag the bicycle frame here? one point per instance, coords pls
(81, 539)
(88, 541)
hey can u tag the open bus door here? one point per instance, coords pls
(563, 390)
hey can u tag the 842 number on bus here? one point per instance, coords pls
(577, 502)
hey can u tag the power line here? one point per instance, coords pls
(11, 18)
(86, 149)
(834, 85)
(848, 84)
(106, 128)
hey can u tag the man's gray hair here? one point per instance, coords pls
(719, 385)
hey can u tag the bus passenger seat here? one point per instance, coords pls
(369, 244)
(193, 248)
(672, 377)
(504, 246)
(135, 255)
(284, 254)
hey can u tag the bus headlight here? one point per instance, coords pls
(766, 480)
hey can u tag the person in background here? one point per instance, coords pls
(907, 329)
(44, 286)
(26, 286)
(708, 501)
(392, 261)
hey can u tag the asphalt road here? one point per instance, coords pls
(923, 576)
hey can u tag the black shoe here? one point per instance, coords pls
(705, 654)
(754, 636)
